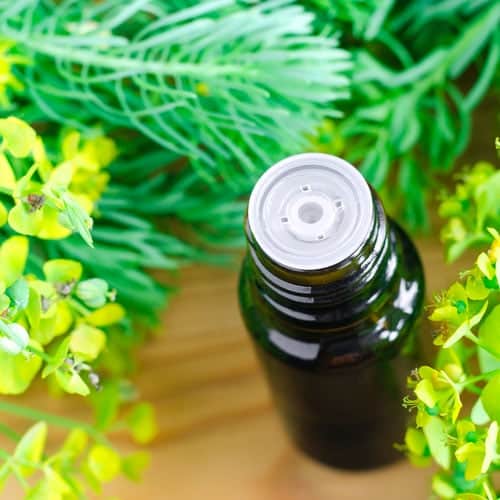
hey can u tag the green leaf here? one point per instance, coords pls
(458, 334)
(473, 455)
(13, 256)
(448, 313)
(135, 464)
(74, 217)
(76, 443)
(442, 487)
(478, 316)
(415, 441)
(437, 438)
(426, 393)
(30, 447)
(104, 463)
(52, 487)
(466, 431)
(478, 413)
(449, 360)
(41, 491)
(489, 332)
(487, 362)
(23, 221)
(59, 271)
(141, 422)
(56, 481)
(465, 328)
(71, 383)
(34, 309)
(87, 342)
(486, 196)
(490, 447)
(106, 403)
(18, 371)
(485, 266)
(58, 358)
(90, 477)
(106, 315)
(18, 137)
(491, 398)
(61, 176)
(19, 292)
(475, 288)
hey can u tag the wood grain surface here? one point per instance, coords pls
(220, 437)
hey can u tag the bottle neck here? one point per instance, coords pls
(330, 297)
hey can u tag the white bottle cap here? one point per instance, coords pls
(310, 211)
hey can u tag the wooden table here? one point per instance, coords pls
(220, 436)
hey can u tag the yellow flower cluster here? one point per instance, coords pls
(62, 304)
(52, 201)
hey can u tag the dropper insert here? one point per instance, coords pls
(310, 211)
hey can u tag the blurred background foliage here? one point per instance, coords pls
(420, 69)
(209, 94)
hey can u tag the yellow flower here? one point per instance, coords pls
(106, 315)
(51, 202)
(88, 184)
(437, 391)
(89, 154)
(89, 157)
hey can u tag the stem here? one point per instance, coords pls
(9, 432)
(56, 420)
(129, 63)
(9, 457)
(79, 307)
(475, 390)
(480, 378)
(21, 479)
(489, 489)
(41, 354)
(471, 337)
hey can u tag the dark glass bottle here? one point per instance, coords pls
(330, 291)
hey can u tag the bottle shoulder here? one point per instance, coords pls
(381, 329)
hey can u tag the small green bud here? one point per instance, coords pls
(92, 292)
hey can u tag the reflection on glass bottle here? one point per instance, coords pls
(330, 292)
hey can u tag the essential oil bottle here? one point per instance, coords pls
(330, 292)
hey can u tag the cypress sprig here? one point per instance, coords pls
(222, 83)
